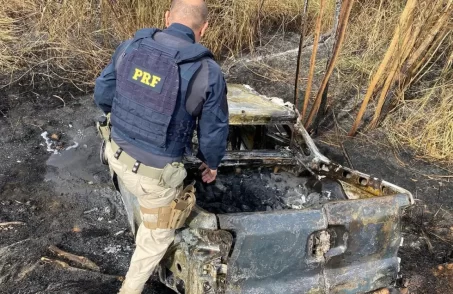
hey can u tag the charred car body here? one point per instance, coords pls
(282, 217)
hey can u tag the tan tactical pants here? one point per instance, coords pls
(151, 244)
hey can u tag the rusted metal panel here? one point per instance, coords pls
(363, 185)
(271, 252)
(368, 233)
(249, 108)
(346, 247)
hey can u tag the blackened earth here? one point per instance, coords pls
(67, 200)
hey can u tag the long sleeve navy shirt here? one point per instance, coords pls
(206, 97)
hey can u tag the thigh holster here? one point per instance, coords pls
(174, 215)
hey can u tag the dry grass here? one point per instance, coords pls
(421, 30)
(368, 36)
(422, 119)
(56, 43)
(71, 41)
(425, 123)
(53, 42)
(234, 25)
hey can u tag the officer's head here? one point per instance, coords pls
(192, 13)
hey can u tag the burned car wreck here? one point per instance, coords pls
(282, 217)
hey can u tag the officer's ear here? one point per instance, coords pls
(167, 18)
(203, 29)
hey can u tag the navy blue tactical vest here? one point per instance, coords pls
(150, 102)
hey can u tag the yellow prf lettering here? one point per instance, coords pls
(145, 78)
(138, 73)
(155, 81)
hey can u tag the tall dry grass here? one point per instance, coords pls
(416, 80)
(420, 32)
(414, 76)
(52, 42)
(71, 41)
(234, 25)
(425, 122)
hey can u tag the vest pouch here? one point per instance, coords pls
(173, 175)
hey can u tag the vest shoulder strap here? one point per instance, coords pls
(145, 33)
(189, 70)
(193, 53)
(167, 51)
(139, 35)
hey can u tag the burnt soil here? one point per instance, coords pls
(63, 199)
(67, 199)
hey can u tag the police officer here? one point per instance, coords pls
(156, 87)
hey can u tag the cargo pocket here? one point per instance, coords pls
(149, 188)
(152, 195)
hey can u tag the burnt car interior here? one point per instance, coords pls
(262, 169)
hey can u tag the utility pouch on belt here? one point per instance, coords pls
(173, 175)
(103, 126)
(173, 216)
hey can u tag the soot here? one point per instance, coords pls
(253, 191)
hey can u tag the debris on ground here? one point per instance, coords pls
(80, 260)
(444, 270)
(54, 143)
(8, 224)
(64, 200)
(55, 137)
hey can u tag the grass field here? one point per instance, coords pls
(56, 42)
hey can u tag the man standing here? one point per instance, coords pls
(155, 88)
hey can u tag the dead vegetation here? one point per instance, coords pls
(398, 59)
(395, 53)
(421, 29)
(425, 122)
(71, 41)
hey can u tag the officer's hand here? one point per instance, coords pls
(208, 175)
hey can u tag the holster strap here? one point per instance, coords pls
(129, 161)
(174, 215)
(163, 217)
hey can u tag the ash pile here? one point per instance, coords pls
(253, 191)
